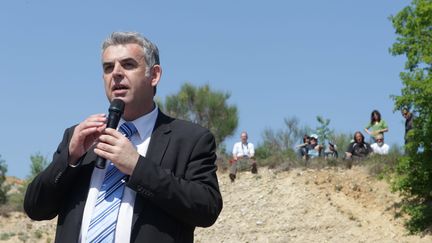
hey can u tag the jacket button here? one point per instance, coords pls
(57, 178)
(140, 188)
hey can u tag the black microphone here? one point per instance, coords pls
(115, 112)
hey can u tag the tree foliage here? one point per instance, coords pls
(206, 107)
(413, 26)
(3, 188)
(342, 141)
(278, 146)
(323, 130)
(38, 164)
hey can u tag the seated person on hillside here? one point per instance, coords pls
(358, 149)
(331, 151)
(313, 148)
(301, 148)
(243, 152)
(379, 147)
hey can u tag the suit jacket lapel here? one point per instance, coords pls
(159, 139)
(158, 144)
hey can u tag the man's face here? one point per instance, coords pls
(380, 141)
(124, 73)
(244, 137)
(405, 114)
(358, 137)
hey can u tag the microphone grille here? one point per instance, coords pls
(117, 105)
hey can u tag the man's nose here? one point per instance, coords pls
(118, 71)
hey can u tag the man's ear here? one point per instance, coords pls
(156, 73)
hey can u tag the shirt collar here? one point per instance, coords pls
(145, 123)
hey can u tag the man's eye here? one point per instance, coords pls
(128, 65)
(108, 68)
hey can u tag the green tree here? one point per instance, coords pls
(413, 26)
(342, 141)
(323, 129)
(38, 164)
(278, 145)
(3, 188)
(206, 107)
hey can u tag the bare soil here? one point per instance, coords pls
(300, 205)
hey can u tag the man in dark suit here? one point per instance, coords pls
(167, 182)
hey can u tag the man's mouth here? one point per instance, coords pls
(119, 87)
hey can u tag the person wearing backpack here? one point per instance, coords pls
(358, 149)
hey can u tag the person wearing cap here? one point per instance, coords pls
(313, 149)
(379, 147)
(243, 152)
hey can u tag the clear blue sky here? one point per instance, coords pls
(277, 59)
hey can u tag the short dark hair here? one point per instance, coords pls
(150, 50)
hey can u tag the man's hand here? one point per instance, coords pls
(85, 135)
(114, 146)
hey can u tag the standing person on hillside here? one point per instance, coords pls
(160, 180)
(376, 125)
(409, 118)
(243, 153)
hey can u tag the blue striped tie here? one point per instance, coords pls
(104, 218)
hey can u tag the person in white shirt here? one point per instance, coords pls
(243, 153)
(379, 147)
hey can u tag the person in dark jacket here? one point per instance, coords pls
(409, 118)
(358, 149)
(160, 180)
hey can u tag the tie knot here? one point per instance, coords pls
(128, 129)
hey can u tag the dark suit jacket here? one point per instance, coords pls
(176, 185)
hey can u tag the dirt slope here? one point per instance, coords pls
(328, 205)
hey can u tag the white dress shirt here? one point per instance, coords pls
(141, 140)
(384, 149)
(240, 149)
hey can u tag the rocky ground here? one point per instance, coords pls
(300, 205)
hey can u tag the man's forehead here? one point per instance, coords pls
(122, 52)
